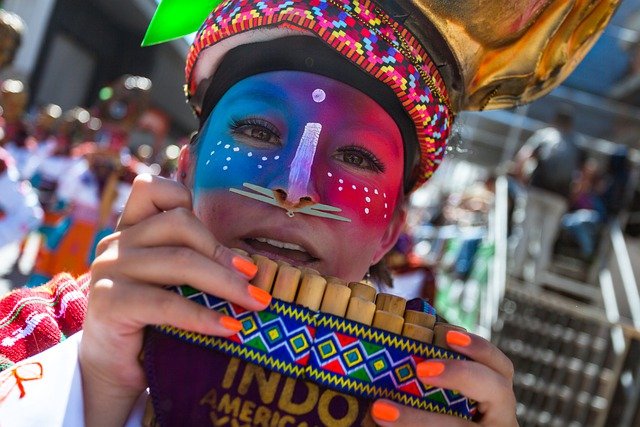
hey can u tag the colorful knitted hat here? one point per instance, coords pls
(412, 46)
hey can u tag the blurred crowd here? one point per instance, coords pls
(67, 174)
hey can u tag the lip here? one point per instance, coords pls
(248, 240)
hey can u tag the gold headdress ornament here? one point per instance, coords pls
(505, 52)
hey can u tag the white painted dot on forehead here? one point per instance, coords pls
(319, 95)
(236, 149)
(276, 158)
(259, 166)
(227, 146)
(341, 181)
(329, 174)
(340, 188)
(249, 154)
(264, 159)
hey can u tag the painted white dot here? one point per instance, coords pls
(368, 199)
(375, 191)
(264, 159)
(224, 168)
(329, 174)
(366, 210)
(212, 152)
(354, 187)
(385, 215)
(236, 149)
(276, 158)
(208, 161)
(366, 189)
(386, 206)
(319, 95)
(227, 146)
(340, 188)
(341, 181)
(259, 166)
(219, 143)
(228, 159)
(249, 154)
(384, 195)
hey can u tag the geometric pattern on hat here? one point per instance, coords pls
(365, 35)
(340, 354)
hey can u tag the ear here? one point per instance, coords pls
(186, 166)
(391, 235)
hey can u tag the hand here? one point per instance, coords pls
(158, 242)
(487, 379)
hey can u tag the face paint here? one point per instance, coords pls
(309, 136)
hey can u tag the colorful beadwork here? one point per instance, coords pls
(365, 35)
(340, 354)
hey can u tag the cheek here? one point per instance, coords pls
(224, 164)
(366, 202)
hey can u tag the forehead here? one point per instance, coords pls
(309, 96)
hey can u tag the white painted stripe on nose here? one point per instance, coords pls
(303, 160)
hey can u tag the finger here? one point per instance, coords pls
(180, 227)
(151, 195)
(147, 305)
(480, 350)
(474, 380)
(387, 413)
(168, 265)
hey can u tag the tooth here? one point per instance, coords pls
(279, 244)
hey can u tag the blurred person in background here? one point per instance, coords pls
(11, 32)
(550, 159)
(20, 211)
(17, 141)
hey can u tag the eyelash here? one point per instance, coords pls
(376, 164)
(237, 124)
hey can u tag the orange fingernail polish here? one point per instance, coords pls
(230, 323)
(385, 411)
(429, 369)
(458, 338)
(260, 295)
(244, 266)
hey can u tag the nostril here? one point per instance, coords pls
(306, 199)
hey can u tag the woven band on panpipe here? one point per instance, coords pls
(320, 354)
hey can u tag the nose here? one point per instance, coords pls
(299, 189)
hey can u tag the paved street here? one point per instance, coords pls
(12, 275)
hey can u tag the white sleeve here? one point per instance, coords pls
(53, 394)
(20, 207)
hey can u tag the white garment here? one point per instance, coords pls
(56, 398)
(20, 208)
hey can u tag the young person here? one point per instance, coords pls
(317, 119)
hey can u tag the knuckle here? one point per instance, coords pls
(182, 256)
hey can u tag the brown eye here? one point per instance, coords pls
(256, 132)
(359, 157)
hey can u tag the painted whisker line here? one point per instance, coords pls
(258, 197)
(258, 189)
(309, 210)
(268, 196)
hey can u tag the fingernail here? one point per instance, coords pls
(244, 266)
(260, 295)
(429, 369)
(385, 411)
(230, 323)
(458, 338)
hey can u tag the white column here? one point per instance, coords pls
(36, 15)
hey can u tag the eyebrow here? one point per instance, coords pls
(268, 93)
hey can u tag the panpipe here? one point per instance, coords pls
(319, 354)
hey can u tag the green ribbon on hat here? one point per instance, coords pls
(177, 18)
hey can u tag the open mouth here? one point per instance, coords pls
(279, 250)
